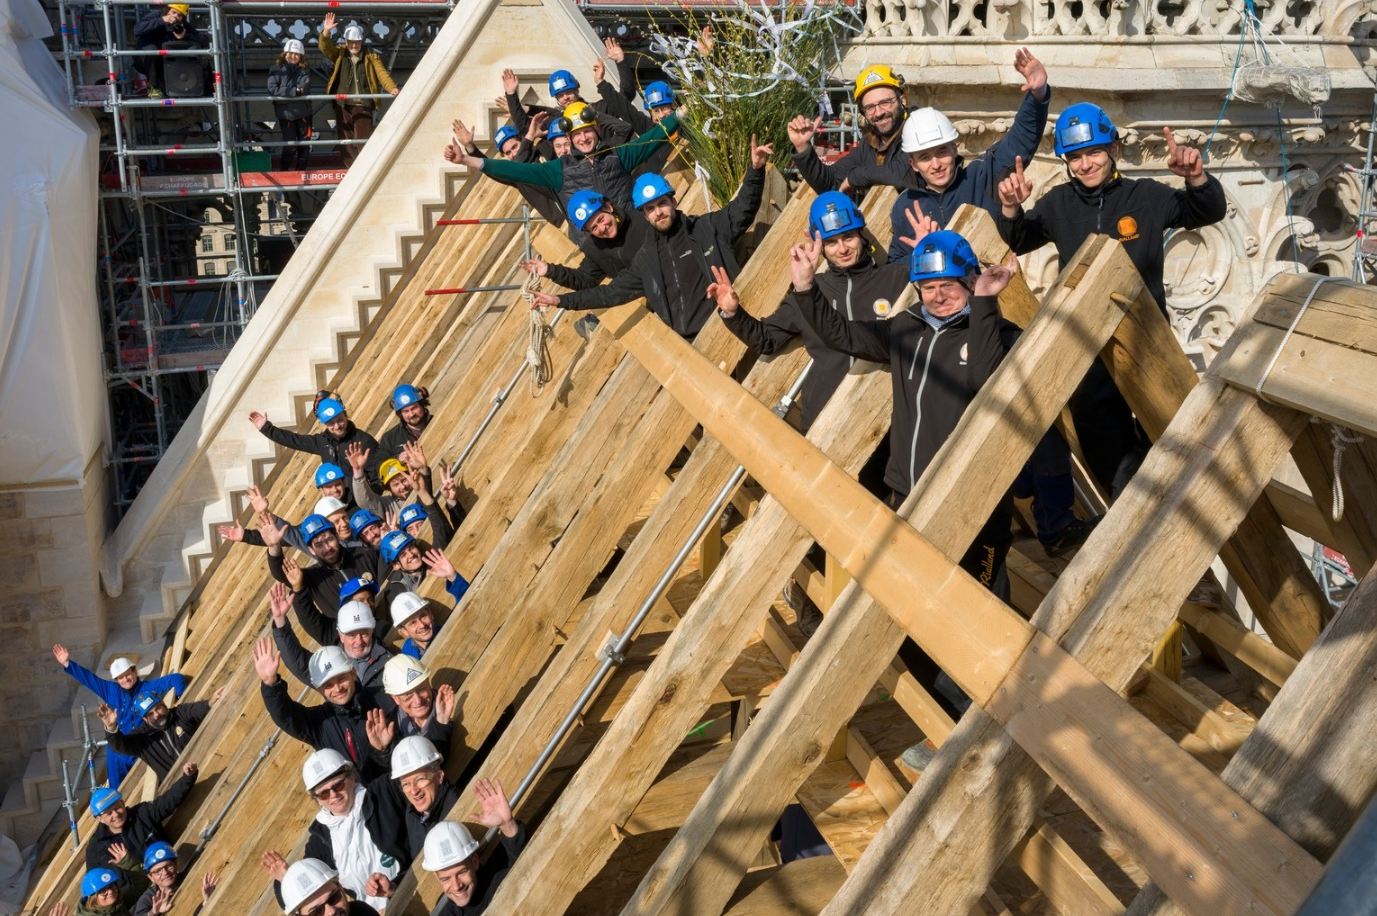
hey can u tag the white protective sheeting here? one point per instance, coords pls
(53, 413)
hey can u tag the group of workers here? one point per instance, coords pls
(381, 733)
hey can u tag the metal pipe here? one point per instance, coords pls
(320, 97)
(498, 400)
(1349, 883)
(113, 103)
(203, 281)
(113, 52)
(89, 746)
(408, 5)
(253, 144)
(613, 653)
(70, 805)
(460, 290)
(490, 220)
(183, 193)
(202, 101)
(178, 150)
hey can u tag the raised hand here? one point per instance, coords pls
(920, 223)
(60, 909)
(444, 703)
(493, 808)
(117, 852)
(1184, 160)
(191, 769)
(721, 289)
(218, 695)
(501, 103)
(704, 41)
(274, 864)
(267, 528)
(209, 881)
(259, 420)
(760, 155)
(109, 716)
(162, 901)
(801, 131)
(391, 518)
(536, 129)
(614, 50)
(1014, 190)
(1033, 72)
(257, 501)
(379, 885)
(233, 532)
(450, 153)
(295, 577)
(265, 661)
(599, 71)
(358, 456)
(803, 263)
(382, 731)
(279, 601)
(463, 135)
(329, 24)
(448, 488)
(510, 84)
(439, 565)
(414, 457)
(996, 277)
(61, 654)
(535, 266)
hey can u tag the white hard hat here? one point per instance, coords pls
(412, 754)
(926, 128)
(293, 46)
(329, 505)
(321, 765)
(302, 881)
(405, 606)
(119, 666)
(327, 663)
(447, 844)
(355, 616)
(353, 33)
(403, 674)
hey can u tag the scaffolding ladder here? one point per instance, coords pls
(1365, 254)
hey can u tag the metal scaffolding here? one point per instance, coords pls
(194, 223)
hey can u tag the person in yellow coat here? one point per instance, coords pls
(357, 72)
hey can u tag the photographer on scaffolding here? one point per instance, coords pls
(156, 31)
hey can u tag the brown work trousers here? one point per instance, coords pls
(352, 122)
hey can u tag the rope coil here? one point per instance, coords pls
(538, 359)
(1340, 438)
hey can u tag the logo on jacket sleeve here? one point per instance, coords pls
(965, 351)
(1128, 228)
(881, 307)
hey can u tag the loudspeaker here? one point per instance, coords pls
(183, 77)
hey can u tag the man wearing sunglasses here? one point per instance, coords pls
(353, 833)
(311, 888)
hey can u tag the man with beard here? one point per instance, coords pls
(336, 564)
(451, 853)
(673, 268)
(329, 446)
(881, 97)
(165, 732)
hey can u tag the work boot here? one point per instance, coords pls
(1072, 536)
(919, 756)
(808, 614)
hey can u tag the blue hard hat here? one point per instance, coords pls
(582, 206)
(360, 520)
(942, 254)
(393, 543)
(658, 93)
(103, 798)
(555, 130)
(328, 473)
(412, 513)
(357, 584)
(562, 81)
(650, 187)
(504, 133)
(314, 525)
(832, 214)
(97, 880)
(328, 409)
(146, 701)
(1083, 125)
(406, 395)
(157, 853)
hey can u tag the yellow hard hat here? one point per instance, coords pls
(389, 469)
(875, 77)
(183, 8)
(579, 114)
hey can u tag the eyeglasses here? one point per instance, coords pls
(417, 781)
(334, 788)
(163, 869)
(883, 105)
(334, 902)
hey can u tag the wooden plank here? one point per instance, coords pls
(1355, 534)
(1063, 875)
(1228, 634)
(708, 857)
(1297, 510)
(997, 658)
(799, 888)
(1112, 602)
(1222, 735)
(1311, 764)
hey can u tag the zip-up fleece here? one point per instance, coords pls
(881, 154)
(160, 748)
(1136, 211)
(935, 372)
(853, 292)
(603, 258)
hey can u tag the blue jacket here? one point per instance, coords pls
(123, 700)
(976, 182)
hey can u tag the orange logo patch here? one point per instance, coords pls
(1128, 228)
